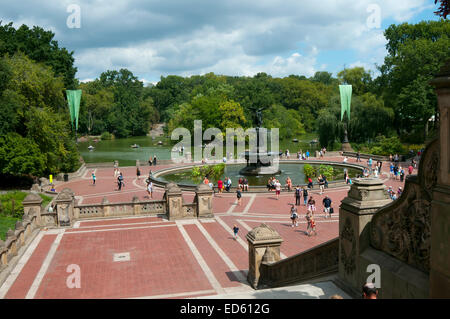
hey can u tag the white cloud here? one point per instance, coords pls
(234, 37)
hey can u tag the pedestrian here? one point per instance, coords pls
(369, 163)
(391, 171)
(321, 183)
(120, 182)
(245, 182)
(410, 169)
(294, 216)
(327, 206)
(116, 168)
(369, 291)
(311, 225)
(154, 160)
(297, 195)
(220, 185)
(206, 181)
(239, 195)
(310, 183)
(93, 177)
(227, 184)
(150, 188)
(138, 173)
(402, 174)
(235, 231)
(358, 157)
(311, 205)
(277, 188)
(305, 195)
(150, 161)
(325, 180)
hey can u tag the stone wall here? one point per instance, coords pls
(21, 235)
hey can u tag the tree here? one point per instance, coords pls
(40, 46)
(444, 8)
(416, 53)
(358, 78)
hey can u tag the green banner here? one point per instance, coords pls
(346, 99)
(73, 99)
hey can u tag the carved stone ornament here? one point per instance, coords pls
(403, 229)
(348, 247)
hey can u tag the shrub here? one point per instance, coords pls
(308, 170)
(106, 136)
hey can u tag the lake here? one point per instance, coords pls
(120, 149)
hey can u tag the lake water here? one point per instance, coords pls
(120, 149)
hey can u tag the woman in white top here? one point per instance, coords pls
(150, 189)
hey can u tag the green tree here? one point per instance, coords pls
(358, 78)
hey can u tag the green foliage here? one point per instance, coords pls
(358, 78)
(386, 146)
(36, 132)
(327, 171)
(106, 136)
(416, 53)
(40, 46)
(309, 170)
(212, 172)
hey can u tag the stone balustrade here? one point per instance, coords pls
(23, 230)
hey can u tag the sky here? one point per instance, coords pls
(154, 38)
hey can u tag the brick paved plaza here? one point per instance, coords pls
(151, 257)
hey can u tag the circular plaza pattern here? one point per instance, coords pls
(152, 257)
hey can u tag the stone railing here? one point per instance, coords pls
(366, 156)
(316, 262)
(266, 269)
(106, 209)
(22, 234)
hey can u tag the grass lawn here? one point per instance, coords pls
(8, 215)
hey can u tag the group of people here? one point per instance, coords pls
(311, 208)
(274, 184)
(303, 156)
(392, 193)
(152, 161)
(225, 184)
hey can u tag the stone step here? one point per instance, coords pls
(318, 290)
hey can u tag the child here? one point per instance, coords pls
(239, 195)
(312, 226)
(235, 231)
(93, 177)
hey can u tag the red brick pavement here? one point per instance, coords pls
(160, 257)
(23, 282)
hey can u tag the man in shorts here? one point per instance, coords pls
(150, 188)
(327, 206)
(278, 189)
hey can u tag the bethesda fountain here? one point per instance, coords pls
(260, 161)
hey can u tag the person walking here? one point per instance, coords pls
(239, 196)
(138, 173)
(358, 157)
(391, 171)
(410, 169)
(154, 160)
(311, 205)
(150, 188)
(120, 182)
(321, 184)
(327, 206)
(305, 195)
(235, 231)
(278, 189)
(93, 177)
(294, 216)
(297, 195)
(150, 161)
(310, 183)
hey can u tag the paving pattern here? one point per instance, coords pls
(150, 257)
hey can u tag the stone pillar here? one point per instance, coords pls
(174, 201)
(33, 201)
(440, 206)
(364, 198)
(136, 205)
(64, 207)
(263, 246)
(106, 207)
(203, 199)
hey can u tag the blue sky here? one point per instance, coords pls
(233, 37)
